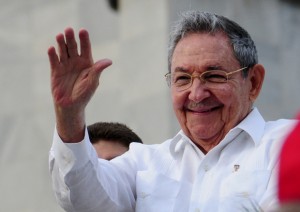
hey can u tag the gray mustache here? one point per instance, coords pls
(202, 104)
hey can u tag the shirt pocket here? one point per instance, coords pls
(243, 190)
(155, 192)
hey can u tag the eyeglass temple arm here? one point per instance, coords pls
(236, 71)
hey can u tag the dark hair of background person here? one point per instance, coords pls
(112, 131)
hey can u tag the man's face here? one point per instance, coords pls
(206, 114)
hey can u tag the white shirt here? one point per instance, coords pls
(238, 174)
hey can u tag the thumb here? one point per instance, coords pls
(100, 65)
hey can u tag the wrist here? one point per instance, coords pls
(70, 124)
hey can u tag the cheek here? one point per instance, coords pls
(225, 95)
(178, 100)
(234, 100)
(228, 97)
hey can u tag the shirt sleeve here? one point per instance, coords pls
(83, 182)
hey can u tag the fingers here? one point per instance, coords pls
(53, 58)
(67, 46)
(85, 44)
(62, 47)
(71, 42)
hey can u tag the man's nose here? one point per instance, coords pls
(198, 90)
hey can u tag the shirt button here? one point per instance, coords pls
(245, 194)
(143, 195)
(206, 168)
(66, 159)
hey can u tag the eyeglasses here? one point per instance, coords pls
(183, 81)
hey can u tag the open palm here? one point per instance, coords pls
(74, 77)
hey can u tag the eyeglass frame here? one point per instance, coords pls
(199, 76)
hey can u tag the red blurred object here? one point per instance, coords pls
(289, 168)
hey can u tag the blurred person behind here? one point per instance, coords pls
(111, 139)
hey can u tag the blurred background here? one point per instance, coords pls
(134, 34)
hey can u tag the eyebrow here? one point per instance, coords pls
(180, 69)
(208, 68)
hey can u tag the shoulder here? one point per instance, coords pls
(276, 132)
(279, 128)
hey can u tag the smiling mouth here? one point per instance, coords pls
(203, 110)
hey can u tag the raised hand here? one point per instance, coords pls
(74, 79)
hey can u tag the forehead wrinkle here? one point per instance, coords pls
(198, 69)
(205, 57)
(181, 69)
(189, 70)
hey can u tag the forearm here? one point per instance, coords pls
(82, 182)
(73, 190)
(70, 124)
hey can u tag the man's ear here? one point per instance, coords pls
(257, 75)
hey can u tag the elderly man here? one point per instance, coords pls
(225, 155)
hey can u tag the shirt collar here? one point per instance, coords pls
(177, 143)
(253, 124)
